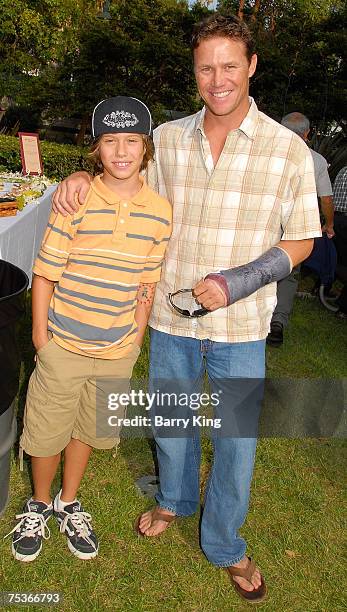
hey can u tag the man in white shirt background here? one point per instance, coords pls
(286, 288)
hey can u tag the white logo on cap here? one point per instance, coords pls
(120, 119)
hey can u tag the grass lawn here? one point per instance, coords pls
(294, 527)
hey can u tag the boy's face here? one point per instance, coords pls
(121, 155)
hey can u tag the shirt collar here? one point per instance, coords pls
(250, 122)
(248, 125)
(141, 198)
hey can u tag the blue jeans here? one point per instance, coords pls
(227, 491)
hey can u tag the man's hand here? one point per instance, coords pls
(329, 230)
(209, 294)
(75, 186)
(327, 208)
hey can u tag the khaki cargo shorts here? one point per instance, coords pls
(64, 395)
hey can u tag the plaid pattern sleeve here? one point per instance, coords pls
(261, 189)
(297, 225)
(340, 191)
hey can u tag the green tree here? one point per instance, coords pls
(60, 57)
(300, 45)
(76, 57)
(35, 35)
(141, 50)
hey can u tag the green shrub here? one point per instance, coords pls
(58, 160)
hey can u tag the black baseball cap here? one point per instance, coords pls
(121, 114)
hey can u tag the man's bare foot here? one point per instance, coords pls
(245, 584)
(152, 523)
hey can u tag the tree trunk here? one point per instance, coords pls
(82, 131)
(255, 10)
(241, 8)
(273, 22)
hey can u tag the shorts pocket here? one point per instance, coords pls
(44, 347)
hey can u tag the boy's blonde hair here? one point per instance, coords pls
(94, 154)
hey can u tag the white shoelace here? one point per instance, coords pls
(31, 523)
(81, 522)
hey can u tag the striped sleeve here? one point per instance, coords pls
(152, 269)
(55, 248)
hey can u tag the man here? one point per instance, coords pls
(235, 178)
(286, 288)
(340, 203)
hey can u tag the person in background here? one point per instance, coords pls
(340, 225)
(286, 288)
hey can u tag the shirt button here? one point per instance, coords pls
(121, 221)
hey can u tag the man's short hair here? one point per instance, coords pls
(296, 122)
(227, 27)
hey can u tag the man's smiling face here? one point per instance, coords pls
(222, 73)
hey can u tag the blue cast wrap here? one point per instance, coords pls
(244, 280)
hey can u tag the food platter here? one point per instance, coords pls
(17, 190)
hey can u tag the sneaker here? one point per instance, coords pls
(31, 530)
(275, 337)
(76, 524)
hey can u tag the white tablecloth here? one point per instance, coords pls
(21, 236)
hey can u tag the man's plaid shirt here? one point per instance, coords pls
(340, 191)
(262, 189)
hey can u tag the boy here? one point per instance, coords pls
(92, 293)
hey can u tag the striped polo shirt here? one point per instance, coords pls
(98, 257)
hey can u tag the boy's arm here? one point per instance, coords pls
(152, 270)
(145, 296)
(42, 290)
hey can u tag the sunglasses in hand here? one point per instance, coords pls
(200, 312)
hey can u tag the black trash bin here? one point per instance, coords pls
(13, 286)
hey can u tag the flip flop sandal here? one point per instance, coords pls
(255, 596)
(158, 514)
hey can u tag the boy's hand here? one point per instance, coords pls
(39, 341)
(64, 198)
